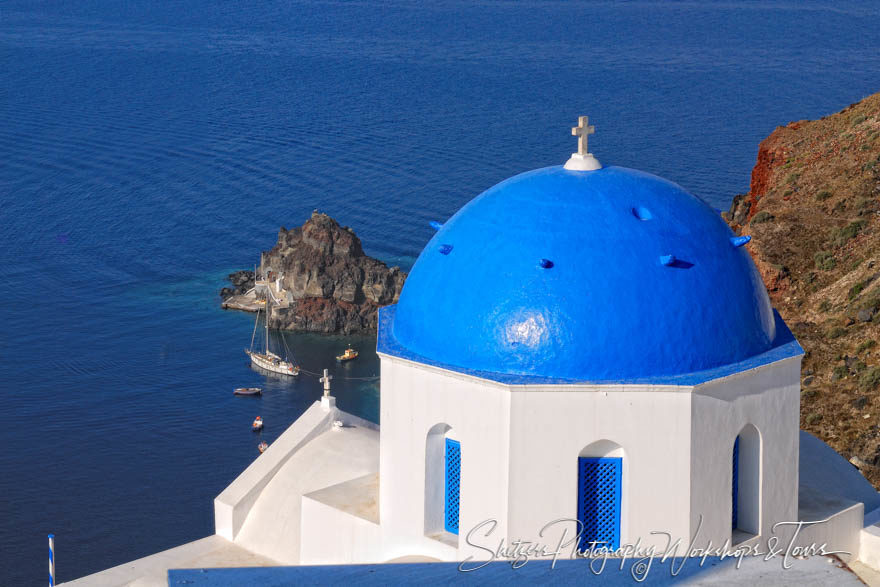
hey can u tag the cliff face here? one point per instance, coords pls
(812, 212)
(331, 285)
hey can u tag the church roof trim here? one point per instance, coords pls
(785, 347)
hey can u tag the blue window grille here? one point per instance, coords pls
(599, 489)
(453, 485)
(735, 483)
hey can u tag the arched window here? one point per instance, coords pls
(599, 498)
(442, 482)
(745, 483)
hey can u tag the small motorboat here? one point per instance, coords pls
(247, 391)
(348, 355)
(258, 424)
(262, 446)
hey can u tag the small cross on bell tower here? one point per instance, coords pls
(583, 160)
(328, 402)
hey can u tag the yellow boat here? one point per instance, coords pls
(348, 355)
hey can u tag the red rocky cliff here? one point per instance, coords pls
(813, 211)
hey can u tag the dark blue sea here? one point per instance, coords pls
(149, 148)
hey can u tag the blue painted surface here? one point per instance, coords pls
(785, 346)
(735, 485)
(599, 502)
(739, 241)
(566, 572)
(645, 282)
(452, 497)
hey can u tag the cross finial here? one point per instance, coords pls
(583, 160)
(582, 131)
(326, 381)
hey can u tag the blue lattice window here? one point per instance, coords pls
(735, 484)
(599, 488)
(453, 485)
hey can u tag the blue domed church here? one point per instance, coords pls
(596, 343)
(583, 361)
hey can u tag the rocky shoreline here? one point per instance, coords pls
(242, 282)
(318, 279)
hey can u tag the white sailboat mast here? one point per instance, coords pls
(257, 321)
(268, 301)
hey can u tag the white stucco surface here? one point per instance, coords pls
(554, 428)
(357, 497)
(272, 527)
(520, 445)
(340, 524)
(233, 505)
(869, 547)
(768, 399)
(414, 400)
(823, 469)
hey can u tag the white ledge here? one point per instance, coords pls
(231, 507)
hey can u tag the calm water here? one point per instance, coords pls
(146, 150)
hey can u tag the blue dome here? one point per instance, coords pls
(606, 275)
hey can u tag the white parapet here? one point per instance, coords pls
(869, 547)
(231, 507)
(340, 524)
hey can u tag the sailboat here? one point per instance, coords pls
(268, 360)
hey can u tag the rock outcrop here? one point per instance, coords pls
(242, 282)
(812, 210)
(328, 283)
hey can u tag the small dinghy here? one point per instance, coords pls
(248, 391)
(262, 446)
(258, 424)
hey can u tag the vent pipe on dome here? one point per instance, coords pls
(583, 160)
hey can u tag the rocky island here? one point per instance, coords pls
(812, 211)
(319, 280)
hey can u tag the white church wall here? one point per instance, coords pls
(647, 425)
(869, 546)
(839, 531)
(333, 536)
(416, 399)
(676, 443)
(768, 399)
(749, 478)
(435, 477)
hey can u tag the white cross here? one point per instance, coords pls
(326, 381)
(582, 131)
